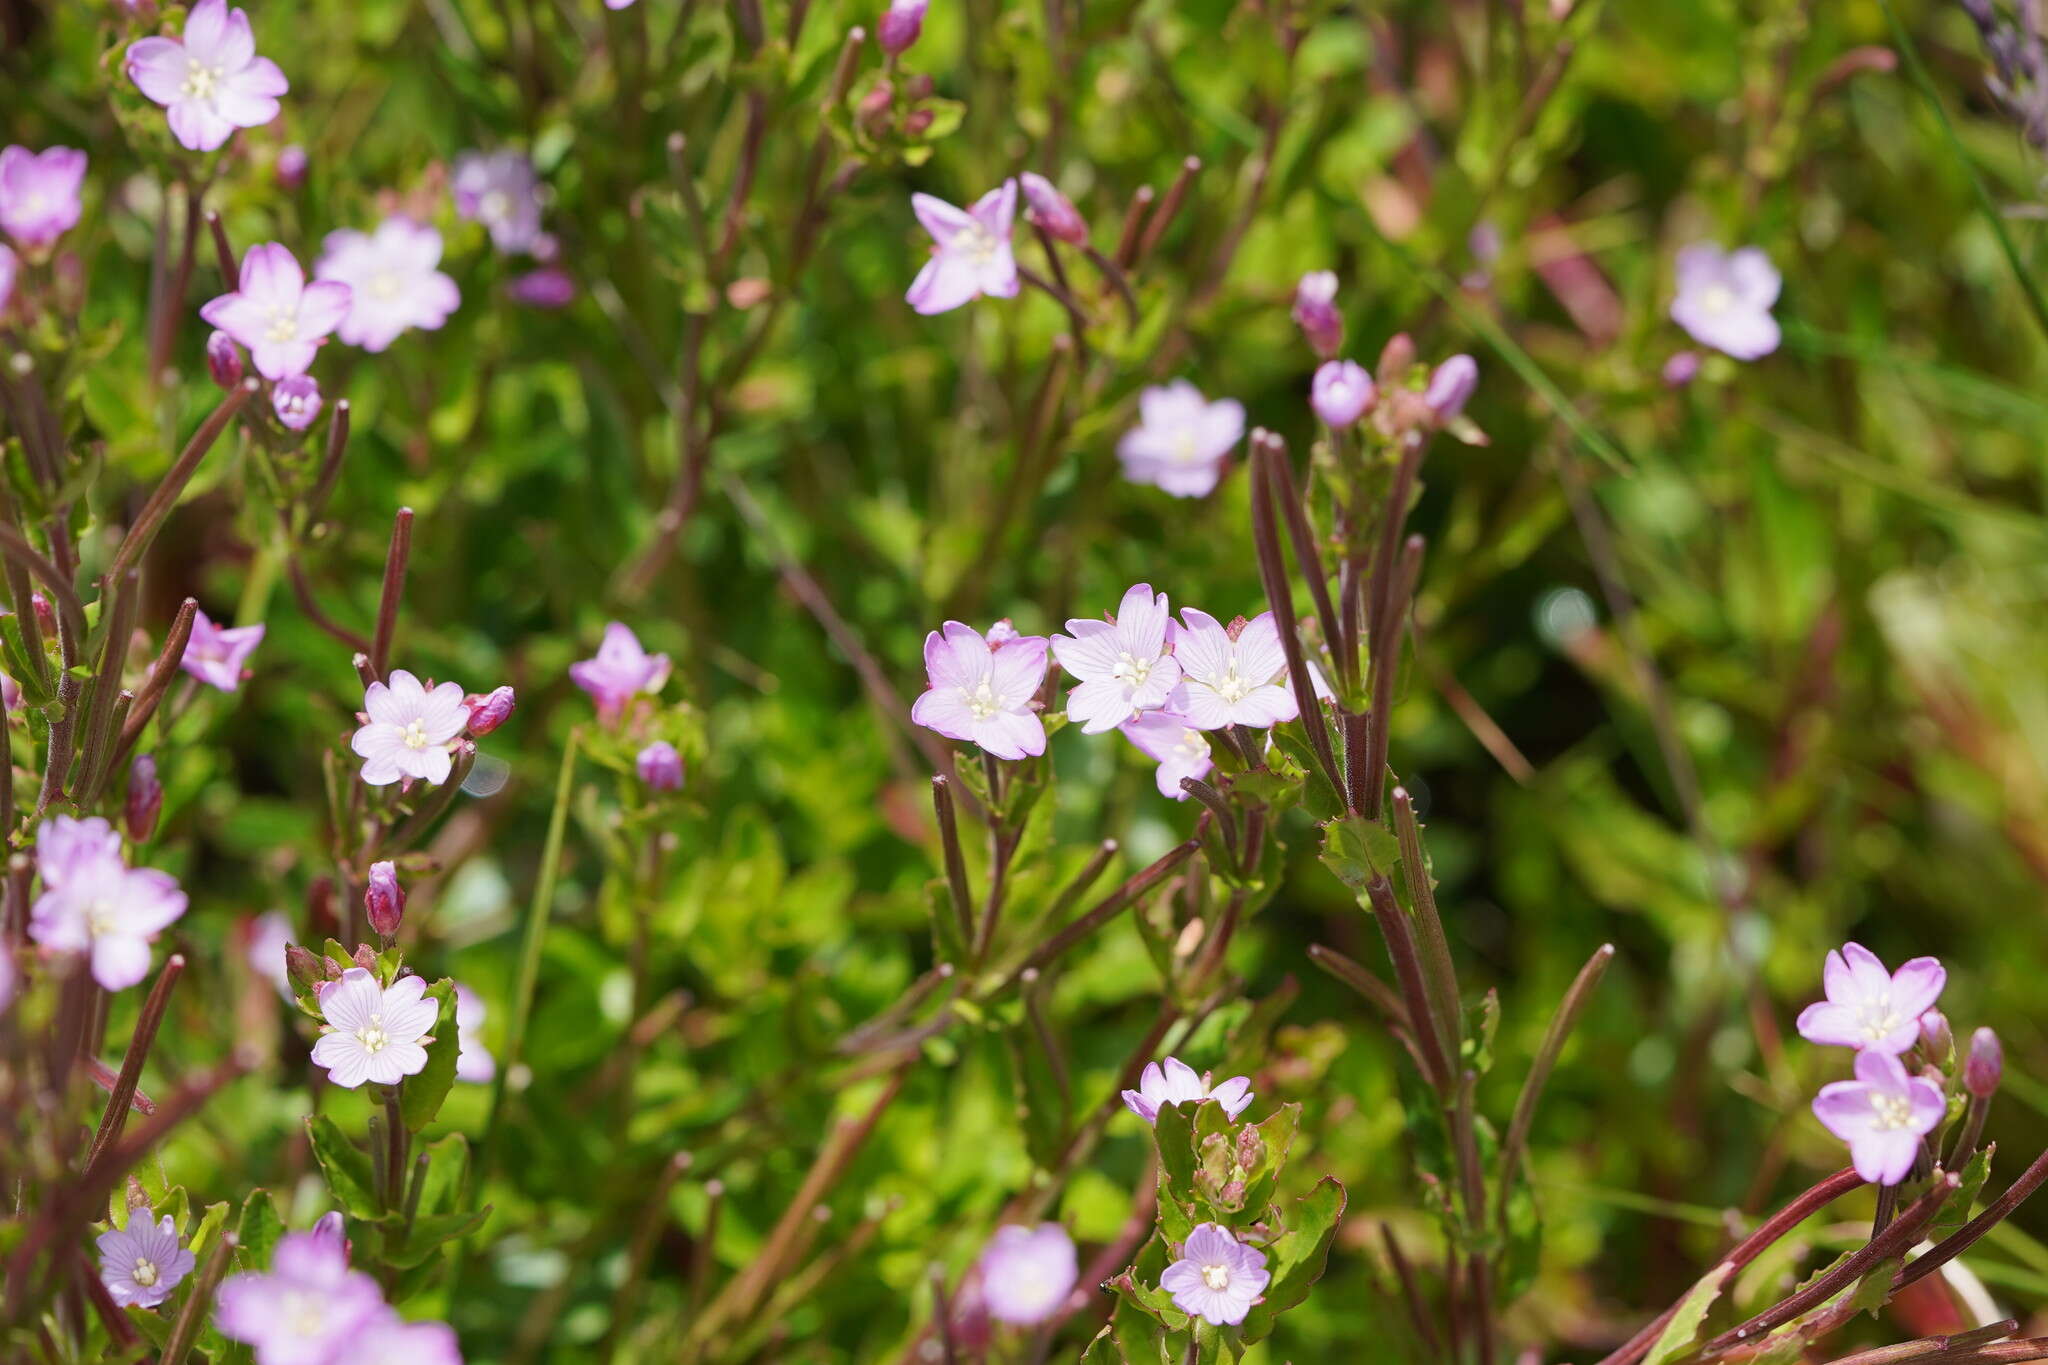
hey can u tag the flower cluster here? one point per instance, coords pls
(92, 902)
(312, 1308)
(1402, 400)
(1885, 1112)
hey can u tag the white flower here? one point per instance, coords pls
(1123, 664)
(1235, 675)
(409, 730)
(140, 1265)
(1181, 440)
(374, 1033)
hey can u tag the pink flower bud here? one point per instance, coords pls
(291, 167)
(384, 899)
(46, 615)
(1936, 1040)
(1315, 309)
(145, 799)
(1451, 386)
(548, 287)
(1681, 369)
(307, 969)
(1052, 210)
(900, 25)
(488, 712)
(296, 400)
(1341, 392)
(660, 766)
(223, 360)
(1985, 1066)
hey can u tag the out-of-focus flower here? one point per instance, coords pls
(1180, 749)
(1231, 675)
(296, 401)
(971, 254)
(620, 671)
(1882, 1115)
(276, 314)
(660, 767)
(10, 694)
(223, 359)
(500, 191)
(331, 1230)
(1123, 665)
(1341, 392)
(142, 1263)
(218, 655)
(1182, 439)
(1984, 1066)
(1315, 311)
(10, 266)
(1868, 1007)
(1217, 1278)
(211, 82)
(268, 936)
(1027, 1273)
(410, 730)
(9, 982)
(66, 848)
(983, 695)
(306, 1309)
(1681, 369)
(291, 167)
(145, 799)
(1724, 299)
(374, 1033)
(549, 287)
(92, 902)
(473, 1061)
(488, 712)
(1451, 386)
(900, 25)
(390, 1339)
(39, 196)
(1176, 1082)
(384, 898)
(1051, 210)
(393, 281)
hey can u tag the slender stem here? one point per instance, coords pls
(1134, 219)
(1961, 1240)
(1100, 914)
(151, 518)
(186, 1329)
(1169, 208)
(1439, 973)
(158, 682)
(1393, 927)
(956, 863)
(1561, 1023)
(1310, 561)
(1273, 574)
(146, 1024)
(395, 561)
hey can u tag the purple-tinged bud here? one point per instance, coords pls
(918, 122)
(145, 799)
(1451, 386)
(306, 969)
(1936, 1040)
(1681, 369)
(296, 400)
(488, 712)
(1397, 357)
(548, 287)
(332, 1232)
(291, 167)
(1341, 392)
(660, 766)
(1315, 309)
(1052, 210)
(384, 899)
(223, 360)
(900, 25)
(1985, 1066)
(366, 957)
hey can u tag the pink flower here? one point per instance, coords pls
(392, 280)
(983, 695)
(900, 25)
(1178, 747)
(296, 401)
(1217, 1278)
(1052, 210)
(384, 898)
(141, 1264)
(276, 314)
(971, 253)
(1231, 675)
(291, 167)
(66, 847)
(1882, 1115)
(1181, 440)
(223, 360)
(1869, 1008)
(409, 731)
(1027, 1273)
(39, 197)
(374, 1033)
(1123, 665)
(92, 902)
(1179, 1083)
(212, 82)
(217, 656)
(390, 1339)
(10, 266)
(1341, 392)
(307, 1309)
(1681, 369)
(620, 671)
(1724, 299)
(1315, 311)
(1451, 386)
(473, 1061)
(660, 767)
(500, 191)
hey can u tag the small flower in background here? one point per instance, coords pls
(1724, 299)
(1002, 633)
(291, 167)
(390, 1339)
(276, 314)
(1123, 665)
(384, 898)
(141, 1264)
(331, 1231)
(66, 847)
(1315, 312)
(1984, 1065)
(1341, 392)
(620, 671)
(212, 82)
(1217, 1278)
(1027, 1273)
(1177, 1083)
(1180, 750)
(1937, 1040)
(500, 191)
(1231, 675)
(223, 359)
(393, 281)
(144, 801)
(10, 266)
(548, 287)
(1882, 1115)
(983, 695)
(900, 25)
(8, 978)
(1681, 369)
(296, 401)
(660, 767)
(1053, 211)
(93, 902)
(971, 253)
(1868, 1007)
(488, 712)
(267, 937)
(306, 1309)
(374, 1033)
(39, 197)
(473, 1061)
(1181, 440)
(218, 655)
(409, 730)
(1451, 386)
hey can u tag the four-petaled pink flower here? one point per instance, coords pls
(93, 902)
(620, 671)
(1869, 1008)
(1882, 1115)
(1231, 675)
(1217, 1278)
(1180, 750)
(971, 253)
(212, 82)
(1027, 1273)
(142, 1263)
(1341, 392)
(307, 1309)
(983, 695)
(1724, 299)
(374, 1033)
(393, 280)
(276, 314)
(1178, 1083)
(39, 197)
(500, 190)
(216, 655)
(1123, 665)
(1181, 440)
(409, 730)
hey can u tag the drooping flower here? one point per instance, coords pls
(92, 902)
(1027, 1273)
(473, 1061)
(1451, 386)
(409, 731)
(296, 401)
(660, 767)
(500, 190)
(332, 1230)
(971, 253)
(276, 314)
(223, 360)
(142, 1263)
(1182, 439)
(1180, 749)
(1724, 299)
(384, 898)
(620, 671)
(266, 938)
(393, 280)
(374, 1033)
(1231, 675)
(488, 712)
(39, 194)
(306, 1309)
(1882, 1115)
(219, 655)
(983, 695)
(211, 82)
(1051, 210)
(1341, 392)
(900, 25)
(1868, 1007)
(1315, 311)
(1217, 1278)
(1176, 1082)
(1123, 665)
(390, 1339)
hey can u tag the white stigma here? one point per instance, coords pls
(1717, 298)
(201, 80)
(384, 285)
(1130, 670)
(1892, 1111)
(1230, 687)
(1879, 1018)
(1216, 1276)
(144, 1272)
(493, 206)
(1192, 744)
(414, 735)
(281, 325)
(372, 1035)
(976, 243)
(981, 702)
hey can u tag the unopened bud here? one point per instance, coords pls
(1341, 392)
(1985, 1065)
(365, 957)
(918, 122)
(1396, 358)
(1681, 369)
(306, 968)
(1451, 386)
(1315, 309)
(223, 360)
(291, 167)
(296, 400)
(384, 899)
(660, 766)
(1936, 1040)
(1052, 210)
(46, 615)
(145, 799)
(488, 712)
(900, 25)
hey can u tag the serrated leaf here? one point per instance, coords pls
(1297, 1258)
(423, 1095)
(430, 1234)
(346, 1168)
(1174, 1135)
(1358, 849)
(258, 1230)
(1955, 1210)
(1683, 1331)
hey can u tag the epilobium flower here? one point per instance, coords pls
(1984, 1066)
(212, 82)
(1341, 392)
(223, 360)
(145, 799)
(971, 253)
(39, 195)
(1451, 386)
(1882, 1115)
(391, 273)
(306, 1309)
(501, 192)
(1177, 1083)
(620, 671)
(374, 1033)
(1027, 1273)
(65, 847)
(1315, 309)
(276, 314)
(384, 898)
(409, 731)
(1179, 748)
(488, 712)
(1724, 299)
(390, 1338)
(549, 287)
(1217, 1278)
(141, 1264)
(1231, 675)
(1052, 210)
(265, 940)
(331, 1230)
(900, 25)
(473, 1061)
(93, 902)
(296, 401)
(1181, 440)
(660, 767)
(983, 695)
(1868, 1007)
(1123, 665)
(217, 655)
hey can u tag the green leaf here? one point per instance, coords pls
(447, 1173)
(200, 1237)
(1174, 1135)
(1683, 1331)
(346, 1168)
(1297, 1258)
(1357, 850)
(430, 1234)
(424, 1093)
(1955, 1211)
(258, 1230)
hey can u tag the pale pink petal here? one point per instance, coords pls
(945, 283)
(941, 219)
(158, 67)
(322, 307)
(206, 29)
(119, 960)
(198, 127)
(943, 709)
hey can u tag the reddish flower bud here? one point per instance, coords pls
(306, 968)
(1396, 357)
(145, 799)
(46, 615)
(1451, 386)
(660, 766)
(1985, 1066)
(1936, 1040)
(1315, 310)
(900, 25)
(384, 899)
(1052, 210)
(1681, 369)
(223, 360)
(488, 712)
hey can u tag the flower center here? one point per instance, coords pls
(1193, 745)
(976, 243)
(384, 285)
(99, 918)
(1230, 687)
(372, 1035)
(1130, 670)
(1717, 298)
(144, 1272)
(305, 1315)
(1892, 1111)
(981, 702)
(414, 734)
(1184, 447)
(1216, 1276)
(281, 325)
(201, 80)
(493, 206)
(1879, 1018)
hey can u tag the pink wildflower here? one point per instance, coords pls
(39, 195)
(212, 82)
(218, 655)
(620, 671)
(983, 695)
(1217, 1278)
(1869, 1008)
(276, 314)
(1027, 1273)
(392, 279)
(374, 1033)
(1182, 439)
(409, 731)
(1123, 665)
(1882, 1115)
(971, 253)
(1178, 1083)
(1231, 675)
